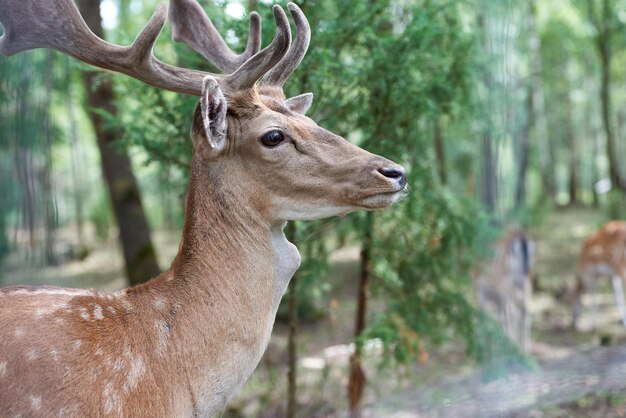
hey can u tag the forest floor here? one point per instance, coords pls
(581, 370)
(576, 365)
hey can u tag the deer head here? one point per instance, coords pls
(266, 147)
(291, 168)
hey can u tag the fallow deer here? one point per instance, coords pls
(603, 254)
(504, 287)
(186, 341)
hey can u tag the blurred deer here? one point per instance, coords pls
(603, 254)
(504, 288)
(182, 344)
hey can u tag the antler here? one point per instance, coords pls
(192, 26)
(281, 72)
(57, 24)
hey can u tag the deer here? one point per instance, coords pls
(603, 254)
(184, 342)
(504, 287)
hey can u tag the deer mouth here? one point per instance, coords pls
(382, 200)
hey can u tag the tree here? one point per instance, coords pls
(536, 110)
(605, 23)
(139, 253)
(489, 176)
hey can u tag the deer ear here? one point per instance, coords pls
(210, 127)
(300, 104)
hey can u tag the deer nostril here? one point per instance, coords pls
(394, 173)
(391, 172)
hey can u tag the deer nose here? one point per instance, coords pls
(395, 173)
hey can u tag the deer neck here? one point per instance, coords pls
(222, 291)
(227, 242)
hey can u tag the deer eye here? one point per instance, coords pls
(272, 138)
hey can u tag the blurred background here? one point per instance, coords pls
(509, 115)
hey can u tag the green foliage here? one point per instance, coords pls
(498, 355)
(422, 268)
(8, 201)
(424, 248)
(101, 216)
(615, 206)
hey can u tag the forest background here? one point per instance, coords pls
(504, 112)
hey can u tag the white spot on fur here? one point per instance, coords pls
(32, 354)
(64, 412)
(77, 344)
(159, 303)
(84, 313)
(112, 310)
(35, 402)
(163, 334)
(97, 312)
(117, 366)
(112, 402)
(99, 351)
(3, 368)
(127, 306)
(137, 369)
(59, 321)
(49, 309)
(19, 331)
(55, 354)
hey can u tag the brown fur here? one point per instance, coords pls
(603, 253)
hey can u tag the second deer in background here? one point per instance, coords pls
(504, 286)
(603, 254)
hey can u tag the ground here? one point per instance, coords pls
(448, 379)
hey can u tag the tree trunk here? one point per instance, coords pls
(605, 98)
(139, 253)
(573, 151)
(488, 177)
(532, 83)
(604, 30)
(439, 150)
(49, 206)
(524, 148)
(24, 169)
(23, 160)
(546, 151)
(76, 158)
(590, 146)
(357, 380)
